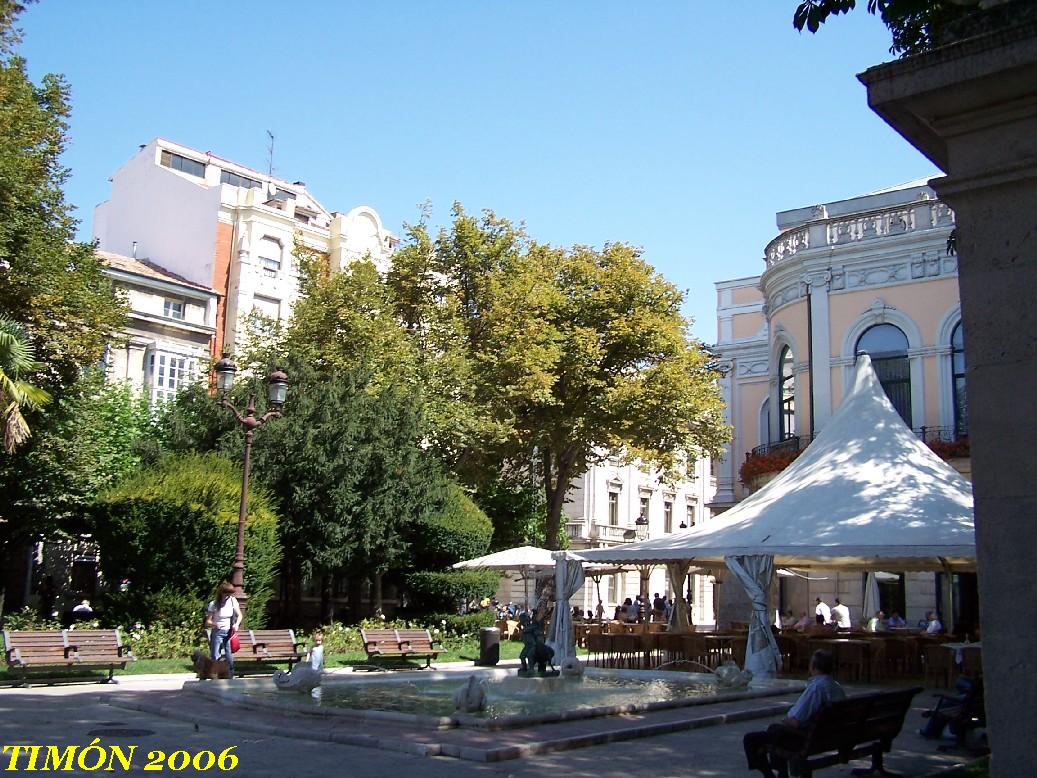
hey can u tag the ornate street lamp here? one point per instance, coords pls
(641, 527)
(277, 389)
(641, 532)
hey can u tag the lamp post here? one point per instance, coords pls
(277, 388)
(641, 531)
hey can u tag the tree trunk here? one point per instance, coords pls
(356, 596)
(376, 593)
(327, 611)
(557, 475)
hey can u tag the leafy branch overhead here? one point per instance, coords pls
(916, 25)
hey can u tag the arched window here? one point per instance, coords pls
(887, 346)
(787, 393)
(961, 405)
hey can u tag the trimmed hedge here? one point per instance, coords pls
(173, 528)
(457, 530)
(451, 591)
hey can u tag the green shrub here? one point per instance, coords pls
(162, 642)
(167, 607)
(457, 530)
(28, 618)
(462, 625)
(173, 527)
(451, 591)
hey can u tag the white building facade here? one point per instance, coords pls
(170, 329)
(229, 228)
(602, 509)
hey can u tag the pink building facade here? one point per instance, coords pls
(877, 274)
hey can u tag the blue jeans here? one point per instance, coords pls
(219, 641)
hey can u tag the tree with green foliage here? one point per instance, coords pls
(51, 287)
(173, 527)
(93, 435)
(916, 25)
(345, 466)
(17, 394)
(54, 288)
(568, 356)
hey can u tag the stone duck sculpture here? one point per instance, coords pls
(302, 679)
(471, 698)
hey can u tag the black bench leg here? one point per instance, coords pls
(111, 676)
(876, 766)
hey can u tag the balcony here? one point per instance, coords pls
(766, 461)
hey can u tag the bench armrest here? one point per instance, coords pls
(299, 648)
(405, 645)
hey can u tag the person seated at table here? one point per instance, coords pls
(630, 611)
(821, 690)
(658, 607)
(896, 620)
(788, 620)
(803, 622)
(878, 623)
(933, 625)
(621, 612)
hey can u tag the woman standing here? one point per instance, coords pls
(223, 617)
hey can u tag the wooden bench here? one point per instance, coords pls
(270, 646)
(848, 729)
(66, 649)
(401, 644)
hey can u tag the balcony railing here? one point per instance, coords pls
(796, 443)
(611, 533)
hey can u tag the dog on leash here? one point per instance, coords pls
(208, 668)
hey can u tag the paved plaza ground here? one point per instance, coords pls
(275, 745)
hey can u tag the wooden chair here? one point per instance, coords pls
(937, 665)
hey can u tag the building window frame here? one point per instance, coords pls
(613, 508)
(236, 179)
(892, 365)
(168, 372)
(174, 309)
(182, 164)
(959, 395)
(787, 392)
(668, 516)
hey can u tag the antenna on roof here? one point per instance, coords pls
(270, 154)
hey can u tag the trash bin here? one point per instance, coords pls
(489, 646)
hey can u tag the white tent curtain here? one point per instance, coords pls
(569, 578)
(755, 573)
(871, 596)
(679, 618)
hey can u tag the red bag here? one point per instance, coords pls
(235, 642)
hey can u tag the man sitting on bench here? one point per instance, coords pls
(821, 690)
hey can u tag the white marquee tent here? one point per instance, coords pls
(867, 494)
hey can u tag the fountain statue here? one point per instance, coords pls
(535, 652)
(471, 698)
(730, 676)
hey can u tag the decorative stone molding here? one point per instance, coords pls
(754, 368)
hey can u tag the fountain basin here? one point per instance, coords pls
(425, 700)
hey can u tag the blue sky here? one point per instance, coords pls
(680, 127)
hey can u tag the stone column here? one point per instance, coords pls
(972, 109)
